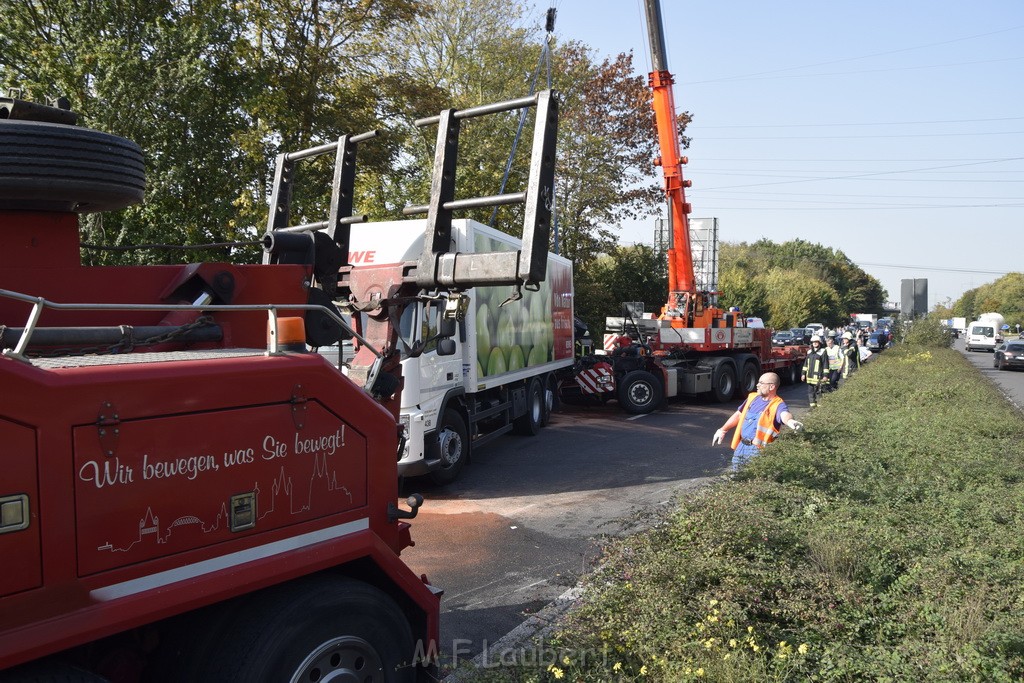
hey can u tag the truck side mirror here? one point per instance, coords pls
(446, 328)
(446, 346)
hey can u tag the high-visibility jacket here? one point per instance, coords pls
(835, 357)
(816, 367)
(766, 429)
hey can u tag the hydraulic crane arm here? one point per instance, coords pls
(680, 258)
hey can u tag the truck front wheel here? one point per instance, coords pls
(454, 442)
(640, 392)
(323, 629)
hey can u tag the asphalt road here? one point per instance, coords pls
(1011, 382)
(526, 518)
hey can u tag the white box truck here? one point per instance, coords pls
(501, 377)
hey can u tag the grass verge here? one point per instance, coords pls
(883, 543)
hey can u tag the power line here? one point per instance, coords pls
(863, 71)
(853, 59)
(873, 123)
(702, 138)
(937, 269)
(866, 175)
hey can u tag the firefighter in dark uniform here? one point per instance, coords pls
(815, 372)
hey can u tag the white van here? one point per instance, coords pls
(982, 335)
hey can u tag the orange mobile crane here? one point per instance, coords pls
(693, 347)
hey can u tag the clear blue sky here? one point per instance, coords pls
(893, 131)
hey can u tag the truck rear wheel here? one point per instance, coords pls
(550, 396)
(748, 378)
(723, 380)
(454, 445)
(640, 392)
(530, 423)
(792, 373)
(316, 630)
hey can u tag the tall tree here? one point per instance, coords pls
(630, 273)
(607, 140)
(162, 73)
(210, 91)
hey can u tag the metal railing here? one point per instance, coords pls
(39, 304)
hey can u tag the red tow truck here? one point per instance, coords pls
(692, 346)
(189, 494)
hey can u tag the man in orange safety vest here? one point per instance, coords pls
(758, 421)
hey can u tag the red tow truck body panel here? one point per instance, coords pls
(158, 482)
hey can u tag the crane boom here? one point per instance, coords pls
(681, 283)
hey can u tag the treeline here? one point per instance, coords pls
(213, 90)
(1005, 296)
(796, 282)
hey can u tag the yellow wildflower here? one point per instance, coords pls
(555, 671)
(617, 666)
(732, 642)
(713, 602)
(803, 648)
(643, 670)
(566, 660)
(699, 672)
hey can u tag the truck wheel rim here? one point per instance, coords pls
(341, 660)
(451, 447)
(640, 394)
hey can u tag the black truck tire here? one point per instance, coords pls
(530, 422)
(56, 167)
(551, 399)
(454, 442)
(723, 380)
(323, 628)
(640, 392)
(748, 375)
(791, 374)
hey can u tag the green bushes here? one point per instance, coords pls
(927, 332)
(884, 543)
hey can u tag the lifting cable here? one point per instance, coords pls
(545, 60)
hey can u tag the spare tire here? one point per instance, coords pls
(56, 167)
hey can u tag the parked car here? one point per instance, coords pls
(783, 338)
(878, 340)
(1009, 355)
(801, 335)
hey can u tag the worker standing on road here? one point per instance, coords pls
(835, 362)
(757, 421)
(815, 372)
(852, 355)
